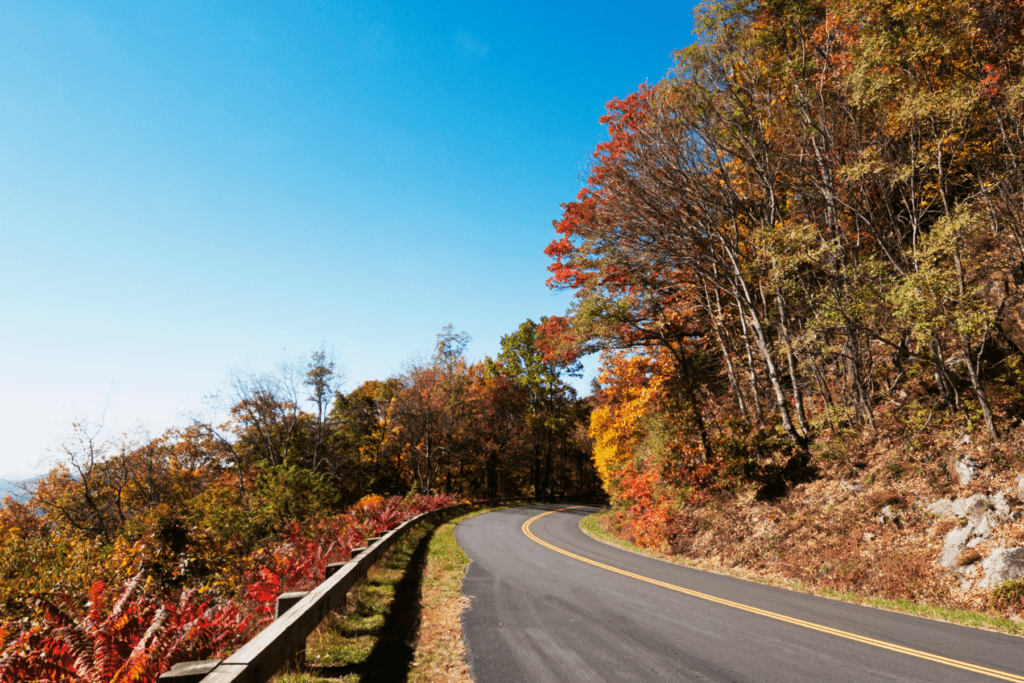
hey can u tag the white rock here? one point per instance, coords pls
(966, 470)
(960, 507)
(1002, 507)
(981, 526)
(973, 507)
(1020, 487)
(941, 507)
(955, 540)
(886, 515)
(1004, 564)
(982, 513)
(977, 505)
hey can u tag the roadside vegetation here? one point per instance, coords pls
(601, 526)
(374, 637)
(800, 255)
(136, 552)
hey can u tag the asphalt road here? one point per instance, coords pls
(540, 615)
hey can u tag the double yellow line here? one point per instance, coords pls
(966, 666)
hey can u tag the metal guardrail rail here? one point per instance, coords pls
(298, 615)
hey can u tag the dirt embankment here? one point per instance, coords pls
(938, 520)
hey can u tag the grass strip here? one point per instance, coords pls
(440, 650)
(592, 525)
(403, 622)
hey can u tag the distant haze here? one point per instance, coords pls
(15, 489)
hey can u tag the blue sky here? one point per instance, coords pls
(187, 188)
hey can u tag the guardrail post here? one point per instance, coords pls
(362, 549)
(329, 571)
(285, 601)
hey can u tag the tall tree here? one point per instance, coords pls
(550, 399)
(431, 410)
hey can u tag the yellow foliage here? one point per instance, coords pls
(371, 500)
(632, 388)
(606, 446)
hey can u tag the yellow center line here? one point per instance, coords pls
(966, 666)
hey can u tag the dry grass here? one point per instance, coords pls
(884, 496)
(440, 651)
(968, 556)
(602, 526)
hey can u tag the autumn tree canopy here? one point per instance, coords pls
(818, 210)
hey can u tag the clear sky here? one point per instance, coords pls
(187, 188)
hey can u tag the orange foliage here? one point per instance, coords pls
(632, 387)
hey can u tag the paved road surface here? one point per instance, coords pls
(540, 615)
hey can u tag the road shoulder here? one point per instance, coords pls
(596, 526)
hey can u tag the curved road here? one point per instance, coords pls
(561, 606)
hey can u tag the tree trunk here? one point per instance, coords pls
(798, 397)
(979, 388)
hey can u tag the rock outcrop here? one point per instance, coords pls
(1004, 564)
(981, 513)
(963, 468)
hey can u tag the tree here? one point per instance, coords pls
(498, 436)
(323, 382)
(816, 211)
(365, 426)
(549, 399)
(431, 410)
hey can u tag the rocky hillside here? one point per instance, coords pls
(941, 523)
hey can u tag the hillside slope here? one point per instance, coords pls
(940, 523)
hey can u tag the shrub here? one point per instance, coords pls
(135, 640)
(1009, 595)
(77, 637)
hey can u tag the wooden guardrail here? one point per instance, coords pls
(298, 614)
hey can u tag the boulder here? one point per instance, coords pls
(943, 507)
(1004, 564)
(981, 527)
(982, 513)
(955, 541)
(1000, 505)
(964, 470)
(978, 505)
(964, 508)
